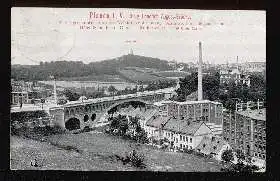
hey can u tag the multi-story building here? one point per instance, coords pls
(19, 97)
(208, 111)
(253, 66)
(245, 130)
(204, 110)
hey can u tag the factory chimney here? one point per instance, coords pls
(199, 82)
(237, 65)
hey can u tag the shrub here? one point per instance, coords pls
(137, 160)
(227, 156)
(189, 151)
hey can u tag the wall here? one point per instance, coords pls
(58, 115)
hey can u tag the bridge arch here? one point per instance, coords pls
(93, 116)
(73, 123)
(110, 108)
(86, 118)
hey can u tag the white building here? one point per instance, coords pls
(185, 134)
(154, 126)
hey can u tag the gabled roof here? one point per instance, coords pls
(183, 126)
(157, 121)
(209, 145)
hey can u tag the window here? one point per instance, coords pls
(176, 140)
(180, 145)
(180, 137)
(190, 140)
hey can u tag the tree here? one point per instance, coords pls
(141, 88)
(227, 156)
(123, 126)
(240, 166)
(112, 89)
(240, 156)
(71, 96)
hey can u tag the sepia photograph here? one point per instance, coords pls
(120, 89)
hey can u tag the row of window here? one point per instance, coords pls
(182, 138)
(259, 155)
(182, 146)
(262, 148)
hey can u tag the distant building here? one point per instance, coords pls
(253, 66)
(18, 97)
(233, 75)
(245, 130)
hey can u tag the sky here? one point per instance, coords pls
(37, 35)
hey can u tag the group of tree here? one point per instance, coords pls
(64, 69)
(225, 93)
(161, 84)
(244, 162)
(188, 85)
(122, 127)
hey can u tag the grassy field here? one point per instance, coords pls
(95, 151)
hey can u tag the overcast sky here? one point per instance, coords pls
(36, 36)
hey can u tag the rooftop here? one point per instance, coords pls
(157, 121)
(254, 114)
(211, 145)
(182, 126)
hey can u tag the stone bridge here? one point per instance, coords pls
(92, 111)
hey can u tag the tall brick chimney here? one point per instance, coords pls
(199, 82)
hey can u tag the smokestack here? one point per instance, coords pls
(199, 82)
(237, 66)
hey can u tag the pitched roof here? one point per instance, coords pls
(182, 126)
(157, 121)
(148, 113)
(209, 145)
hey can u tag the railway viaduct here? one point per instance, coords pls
(79, 114)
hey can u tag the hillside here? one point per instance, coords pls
(72, 69)
(135, 74)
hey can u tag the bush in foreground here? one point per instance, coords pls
(134, 158)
